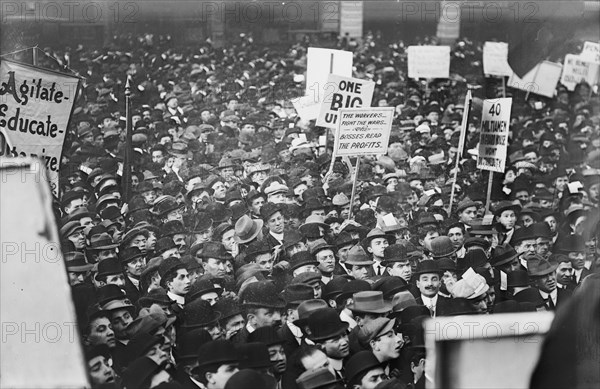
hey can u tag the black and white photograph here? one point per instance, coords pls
(247, 194)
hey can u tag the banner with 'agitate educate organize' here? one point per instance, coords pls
(35, 107)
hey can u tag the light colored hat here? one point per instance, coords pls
(471, 286)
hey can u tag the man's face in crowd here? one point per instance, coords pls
(120, 319)
(228, 239)
(180, 241)
(265, 262)
(508, 219)
(338, 347)
(401, 269)
(416, 185)
(275, 223)
(300, 246)
(214, 266)
(203, 235)
(277, 198)
(136, 266)
(100, 370)
(551, 221)
(359, 272)
(181, 283)
(256, 205)
(78, 239)
(278, 358)
(377, 246)
(316, 360)
(305, 269)
(101, 332)
(388, 345)
(429, 284)
(326, 260)
(561, 182)
(526, 220)
(372, 378)
(467, 214)
(140, 242)
(227, 173)
(222, 375)
(542, 246)
(594, 192)
(512, 266)
(343, 253)
(76, 278)
(564, 273)
(116, 279)
(267, 317)
(431, 235)
(234, 325)
(577, 259)
(526, 246)
(176, 214)
(546, 283)
(456, 237)
(523, 197)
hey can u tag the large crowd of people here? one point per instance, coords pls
(239, 259)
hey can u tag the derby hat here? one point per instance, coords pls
(537, 266)
(216, 352)
(218, 212)
(389, 286)
(530, 295)
(269, 209)
(472, 258)
(428, 266)
(172, 227)
(302, 258)
(165, 204)
(359, 363)
(333, 288)
(503, 254)
(369, 302)
(228, 307)
(170, 265)
(507, 205)
(262, 294)
(319, 245)
(247, 229)
(521, 234)
(446, 264)
(308, 278)
(257, 248)
(325, 323)
(394, 253)
(291, 238)
(109, 267)
(344, 239)
(199, 187)
(306, 308)
(201, 287)
(139, 373)
(352, 287)
(296, 294)
(155, 296)
(189, 342)
(267, 335)
(199, 313)
(464, 204)
(249, 378)
(164, 244)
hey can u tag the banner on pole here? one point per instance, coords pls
(493, 141)
(351, 19)
(495, 59)
(428, 61)
(578, 68)
(541, 80)
(343, 92)
(35, 107)
(591, 51)
(363, 131)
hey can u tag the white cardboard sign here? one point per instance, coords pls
(493, 141)
(541, 80)
(428, 61)
(343, 92)
(495, 59)
(363, 131)
(578, 68)
(591, 51)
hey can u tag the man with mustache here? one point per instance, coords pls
(542, 275)
(428, 276)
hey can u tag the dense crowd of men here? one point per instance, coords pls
(239, 260)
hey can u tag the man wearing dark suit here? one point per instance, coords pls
(573, 246)
(543, 276)
(290, 333)
(429, 280)
(375, 244)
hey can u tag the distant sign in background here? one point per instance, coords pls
(578, 68)
(343, 92)
(363, 131)
(428, 61)
(493, 141)
(35, 106)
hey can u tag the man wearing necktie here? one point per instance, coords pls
(428, 277)
(375, 244)
(543, 276)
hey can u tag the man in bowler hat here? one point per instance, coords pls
(428, 279)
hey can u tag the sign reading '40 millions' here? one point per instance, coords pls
(493, 142)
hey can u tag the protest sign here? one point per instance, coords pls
(495, 59)
(35, 107)
(591, 51)
(320, 63)
(578, 68)
(343, 92)
(363, 131)
(306, 107)
(541, 80)
(428, 61)
(351, 19)
(493, 141)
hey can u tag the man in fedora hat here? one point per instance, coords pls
(396, 260)
(217, 362)
(329, 332)
(543, 277)
(375, 244)
(101, 247)
(574, 247)
(73, 232)
(325, 256)
(428, 280)
(133, 262)
(213, 256)
(232, 319)
(110, 271)
(358, 263)
(248, 230)
(77, 268)
(366, 306)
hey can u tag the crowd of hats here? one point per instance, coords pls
(219, 151)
